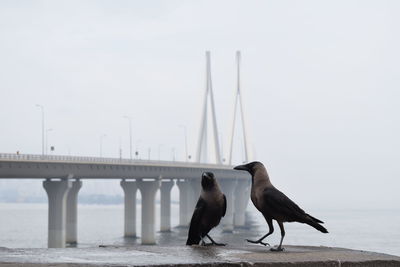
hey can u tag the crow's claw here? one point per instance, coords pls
(257, 242)
(278, 249)
(214, 244)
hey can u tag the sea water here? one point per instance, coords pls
(24, 225)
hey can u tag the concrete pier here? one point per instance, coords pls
(165, 209)
(242, 195)
(184, 198)
(57, 195)
(148, 190)
(71, 235)
(228, 188)
(194, 192)
(130, 188)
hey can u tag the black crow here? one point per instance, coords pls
(273, 204)
(210, 208)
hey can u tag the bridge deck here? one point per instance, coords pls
(51, 166)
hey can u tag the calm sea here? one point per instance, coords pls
(25, 226)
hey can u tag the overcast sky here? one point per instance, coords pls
(320, 82)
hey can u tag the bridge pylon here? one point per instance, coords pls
(202, 146)
(238, 99)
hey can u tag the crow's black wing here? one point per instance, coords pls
(194, 229)
(224, 206)
(281, 207)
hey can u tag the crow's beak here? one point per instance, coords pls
(206, 175)
(241, 168)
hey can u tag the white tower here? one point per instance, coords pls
(238, 98)
(202, 143)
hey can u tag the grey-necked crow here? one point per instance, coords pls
(273, 204)
(210, 208)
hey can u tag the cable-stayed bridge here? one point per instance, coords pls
(63, 177)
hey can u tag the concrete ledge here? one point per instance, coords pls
(193, 256)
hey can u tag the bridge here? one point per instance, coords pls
(63, 175)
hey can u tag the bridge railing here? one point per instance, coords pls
(80, 159)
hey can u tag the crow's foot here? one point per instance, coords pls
(215, 243)
(212, 244)
(257, 242)
(278, 249)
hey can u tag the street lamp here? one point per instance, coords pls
(42, 108)
(119, 148)
(101, 144)
(130, 135)
(173, 153)
(159, 149)
(186, 148)
(221, 141)
(47, 139)
(137, 148)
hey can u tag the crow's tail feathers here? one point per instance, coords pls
(193, 239)
(193, 235)
(317, 226)
(315, 219)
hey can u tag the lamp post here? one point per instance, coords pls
(42, 108)
(101, 144)
(159, 150)
(119, 148)
(221, 141)
(47, 140)
(130, 135)
(173, 153)
(186, 148)
(137, 148)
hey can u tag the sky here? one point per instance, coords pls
(320, 86)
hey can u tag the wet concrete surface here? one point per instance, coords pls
(161, 255)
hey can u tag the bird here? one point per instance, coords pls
(274, 205)
(209, 210)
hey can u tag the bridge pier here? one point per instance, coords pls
(184, 206)
(71, 235)
(57, 195)
(130, 188)
(228, 188)
(148, 190)
(242, 195)
(165, 209)
(195, 188)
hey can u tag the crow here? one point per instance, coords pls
(273, 204)
(210, 208)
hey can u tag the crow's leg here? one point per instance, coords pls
(280, 248)
(259, 241)
(213, 242)
(203, 243)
